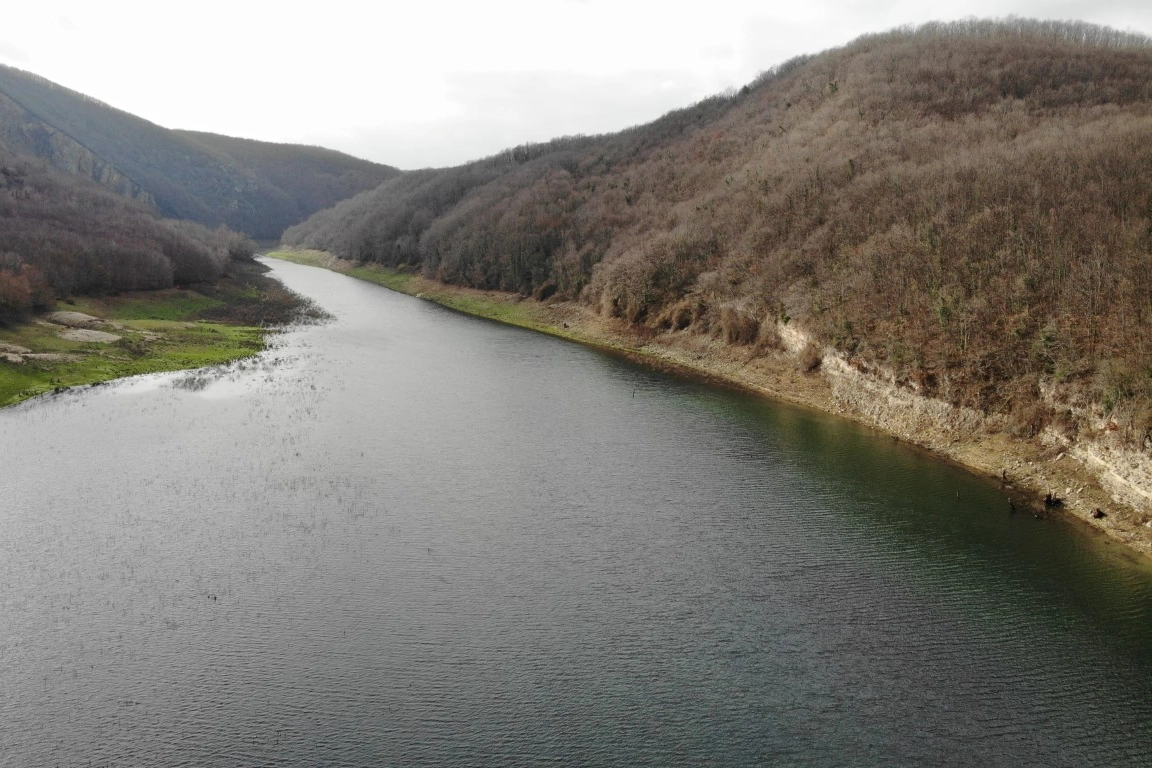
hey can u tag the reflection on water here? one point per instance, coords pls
(408, 536)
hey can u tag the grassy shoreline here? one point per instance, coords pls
(1029, 468)
(154, 332)
(492, 305)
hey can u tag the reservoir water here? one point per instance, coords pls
(411, 537)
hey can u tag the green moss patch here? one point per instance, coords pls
(174, 304)
(153, 339)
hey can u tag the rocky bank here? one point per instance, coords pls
(1095, 476)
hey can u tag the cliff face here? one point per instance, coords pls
(1093, 469)
(253, 187)
(22, 133)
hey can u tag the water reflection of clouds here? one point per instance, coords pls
(221, 381)
(148, 382)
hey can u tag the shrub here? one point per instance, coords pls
(810, 358)
(737, 326)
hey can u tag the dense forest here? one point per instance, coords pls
(253, 187)
(965, 205)
(63, 234)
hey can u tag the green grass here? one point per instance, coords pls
(373, 273)
(308, 258)
(173, 304)
(389, 278)
(503, 308)
(155, 339)
(38, 338)
(504, 311)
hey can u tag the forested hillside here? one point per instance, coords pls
(314, 177)
(965, 205)
(254, 187)
(63, 234)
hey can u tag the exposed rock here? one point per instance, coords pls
(13, 349)
(21, 132)
(12, 358)
(876, 397)
(87, 334)
(74, 319)
(793, 338)
(1124, 471)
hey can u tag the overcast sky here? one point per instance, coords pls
(439, 82)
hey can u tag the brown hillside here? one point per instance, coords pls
(968, 205)
(63, 234)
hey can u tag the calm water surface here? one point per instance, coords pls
(410, 537)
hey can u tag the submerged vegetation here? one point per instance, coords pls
(966, 207)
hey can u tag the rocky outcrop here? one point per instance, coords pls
(22, 133)
(74, 319)
(82, 327)
(1093, 474)
(877, 399)
(1125, 473)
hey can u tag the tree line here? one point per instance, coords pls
(63, 235)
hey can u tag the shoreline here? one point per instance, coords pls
(93, 340)
(1027, 468)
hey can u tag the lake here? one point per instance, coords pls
(412, 537)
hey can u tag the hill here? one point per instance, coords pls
(209, 179)
(314, 177)
(963, 208)
(63, 234)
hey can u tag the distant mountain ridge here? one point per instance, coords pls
(259, 188)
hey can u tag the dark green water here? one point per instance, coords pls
(413, 537)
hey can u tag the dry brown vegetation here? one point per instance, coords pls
(967, 205)
(62, 235)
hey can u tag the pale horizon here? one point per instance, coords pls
(450, 82)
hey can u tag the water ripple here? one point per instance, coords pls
(407, 537)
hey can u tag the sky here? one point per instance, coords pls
(432, 83)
